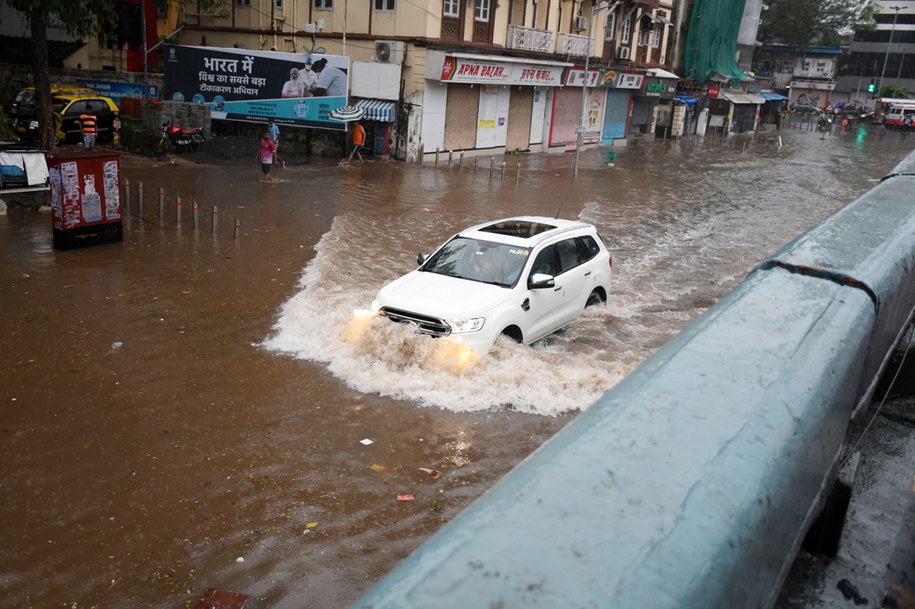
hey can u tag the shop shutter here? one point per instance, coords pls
(461, 117)
(519, 119)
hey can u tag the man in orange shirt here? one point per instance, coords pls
(88, 127)
(358, 141)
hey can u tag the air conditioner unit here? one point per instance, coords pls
(623, 53)
(389, 51)
(581, 23)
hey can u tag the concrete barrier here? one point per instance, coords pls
(692, 483)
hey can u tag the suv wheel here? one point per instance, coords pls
(595, 298)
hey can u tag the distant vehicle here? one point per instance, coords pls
(67, 103)
(523, 277)
(68, 108)
(804, 108)
(897, 114)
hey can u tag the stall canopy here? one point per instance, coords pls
(772, 96)
(742, 98)
(377, 110)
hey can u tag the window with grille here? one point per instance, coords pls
(451, 9)
(643, 36)
(481, 11)
(242, 2)
(656, 36)
(278, 4)
(384, 5)
(627, 30)
(610, 26)
(324, 5)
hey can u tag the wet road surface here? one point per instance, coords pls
(186, 410)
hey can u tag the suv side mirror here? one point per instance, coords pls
(421, 258)
(540, 281)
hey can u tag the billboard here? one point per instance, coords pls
(117, 90)
(252, 86)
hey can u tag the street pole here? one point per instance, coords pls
(145, 49)
(888, 46)
(584, 92)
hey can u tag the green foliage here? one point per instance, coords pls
(80, 17)
(217, 8)
(804, 23)
(894, 91)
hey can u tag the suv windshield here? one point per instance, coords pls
(476, 260)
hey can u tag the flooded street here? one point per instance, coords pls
(186, 410)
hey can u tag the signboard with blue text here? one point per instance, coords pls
(117, 90)
(253, 86)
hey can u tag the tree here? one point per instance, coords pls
(81, 18)
(895, 91)
(804, 23)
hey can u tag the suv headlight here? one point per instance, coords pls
(459, 326)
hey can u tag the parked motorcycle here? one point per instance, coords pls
(180, 139)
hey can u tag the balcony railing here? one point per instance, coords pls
(530, 39)
(573, 44)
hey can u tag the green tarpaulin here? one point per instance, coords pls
(711, 43)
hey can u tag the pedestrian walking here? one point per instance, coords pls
(358, 141)
(274, 130)
(265, 155)
(87, 124)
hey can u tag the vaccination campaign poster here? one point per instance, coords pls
(252, 86)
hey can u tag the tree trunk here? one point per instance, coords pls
(39, 26)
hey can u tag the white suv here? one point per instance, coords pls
(524, 277)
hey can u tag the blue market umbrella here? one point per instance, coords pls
(347, 113)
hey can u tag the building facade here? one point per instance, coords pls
(883, 56)
(478, 76)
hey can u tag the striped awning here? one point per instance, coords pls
(377, 109)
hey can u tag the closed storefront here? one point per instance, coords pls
(461, 117)
(616, 116)
(489, 102)
(492, 119)
(744, 110)
(566, 116)
(519, 119)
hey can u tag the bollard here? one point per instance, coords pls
(461, 161)
(140, 198)
(215, 213)
(502, 177)
(196, 216)
(436, 156)
(492, 164)
(161, 206)
(450, 156)
(517, 173)
(178, 209)
(237, 226)
(475, 162)
(779, 141)
(126, 195)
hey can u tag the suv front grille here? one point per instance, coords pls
(425, 323)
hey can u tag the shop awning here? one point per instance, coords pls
(377, 109)
(685, 99)
(772, 96)
(659, 73)
(742, 98)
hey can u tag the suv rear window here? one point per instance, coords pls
(524, 230)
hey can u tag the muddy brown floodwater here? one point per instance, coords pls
(185, 410)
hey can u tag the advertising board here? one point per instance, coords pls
(252, 86)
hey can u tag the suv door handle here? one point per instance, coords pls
(588, 273)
